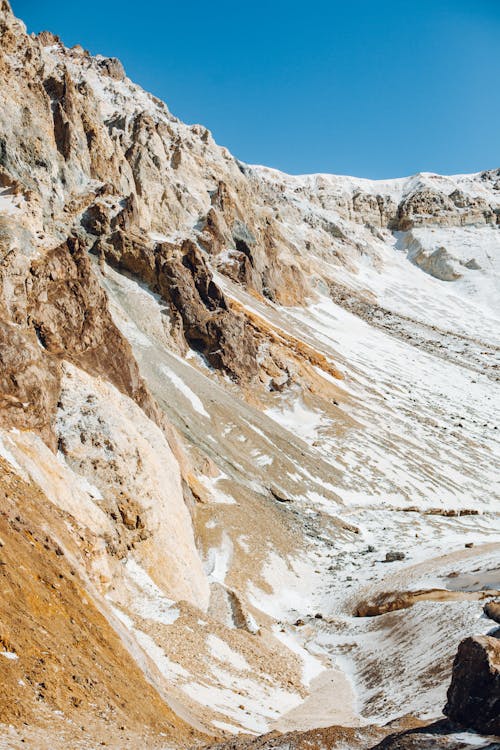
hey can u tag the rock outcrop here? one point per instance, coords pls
(474, 693)
(396, 600)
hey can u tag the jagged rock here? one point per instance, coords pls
(47, 38)
(210, 326)
(474, 693)
(427, 207)
(377, 210)
(279, 495)
(112, 67)
(424, 207)
(439, 263)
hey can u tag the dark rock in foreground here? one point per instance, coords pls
(474, 693)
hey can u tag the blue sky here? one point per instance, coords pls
(374, 89)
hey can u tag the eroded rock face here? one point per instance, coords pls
(97, 154)
(106, 438)
(68, 309)
(427, 207)
(29, 382)
(396, 600)
(59, 312)
(474, 693)
(210, 326)
(180, 274)
(378, 210)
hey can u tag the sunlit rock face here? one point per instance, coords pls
(237, 409)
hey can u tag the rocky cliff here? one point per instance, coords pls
(226, 395)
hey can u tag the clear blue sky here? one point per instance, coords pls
(375, 89)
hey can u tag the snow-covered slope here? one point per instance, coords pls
(232, 392)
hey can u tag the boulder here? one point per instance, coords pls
(393, 556)
(474, 693)
(492, 610)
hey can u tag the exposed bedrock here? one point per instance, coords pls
(64, 654)
(59, 312)
(431, 207)
(181, 275)
(68, 310)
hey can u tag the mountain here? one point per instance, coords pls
(248, 441)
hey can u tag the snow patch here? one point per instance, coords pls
(194, 400)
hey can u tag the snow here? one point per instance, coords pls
(169, 669)
(468, 306)
(10, 204)
(469, 738)
(394, 444)
(11, 655)
(194, 400)
(34, 462)
(134, 335)
(261, 459)
(83, 483)
(290, 583)
(218, 560)
(7, 455)
(174, 237)
(312, 666)
(221, 651)
(375, 646)
(299, 419)
(396, 189)
(262, 702)
(216, 494)
(226, 727)
(402, 377)
(151, 604)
